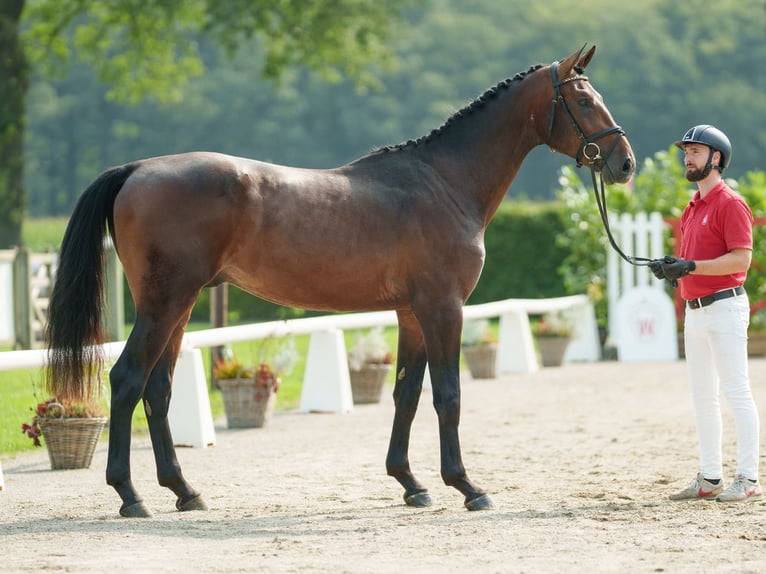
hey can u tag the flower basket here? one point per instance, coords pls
(70, 431)
(367, 382)
(248, 402)
(71, 442)
(482, 360)
(552, 350)
(369, 363)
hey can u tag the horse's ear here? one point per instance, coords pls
(565, 66)
(585, 60)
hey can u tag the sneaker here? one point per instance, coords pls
(699, 488)
(741, 489)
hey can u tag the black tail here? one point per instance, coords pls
(75, 327)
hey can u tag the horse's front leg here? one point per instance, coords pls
(443, 343)
(410, 367)
(156, 403)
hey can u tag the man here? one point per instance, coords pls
(716, 249)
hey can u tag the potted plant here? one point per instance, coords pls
(249, 392)
(70, 431)
(369, 362)
(553, 332)
(480, 349)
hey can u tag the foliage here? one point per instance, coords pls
(448, 52)
(477, 332)
(369, 349)
(522, 256)
(156, 50)
(56, 409)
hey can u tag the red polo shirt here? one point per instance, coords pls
(710, 227)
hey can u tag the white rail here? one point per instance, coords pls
(583, 348)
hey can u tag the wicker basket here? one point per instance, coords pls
(247, 404)
(482, 361)
(367, 383)
(71, 442)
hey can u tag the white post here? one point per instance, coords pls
(326, 383)
(190, 417)
(585, 344)
(516, 348)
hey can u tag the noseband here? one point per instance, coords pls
(591, 152)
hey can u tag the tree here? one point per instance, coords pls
(13, 87)
(142, 48)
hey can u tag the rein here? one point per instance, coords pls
(591, 151)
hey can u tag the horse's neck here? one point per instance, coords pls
(480, 155)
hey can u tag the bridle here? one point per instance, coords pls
(590, 151)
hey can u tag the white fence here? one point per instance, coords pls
(642, 320)
(25, 283)
(326, 385)
(515, 351)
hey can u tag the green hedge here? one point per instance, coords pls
(522, 254)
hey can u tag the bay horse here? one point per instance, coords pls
(400, 228)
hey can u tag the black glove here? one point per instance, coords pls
(674, 268)
(656, 266)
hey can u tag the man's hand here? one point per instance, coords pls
(674, 268)
(671, 268)
(656, 266)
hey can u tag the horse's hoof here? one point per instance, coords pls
(135, 510)
(195, 503)
(483, 502)
(418, 499)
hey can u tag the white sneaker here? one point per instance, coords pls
(740, 490)
(699, 488)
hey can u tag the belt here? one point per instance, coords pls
(710, 299)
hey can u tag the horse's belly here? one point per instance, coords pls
(323, 290)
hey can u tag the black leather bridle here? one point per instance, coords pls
(590, 151)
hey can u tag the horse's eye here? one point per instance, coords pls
(584, 103)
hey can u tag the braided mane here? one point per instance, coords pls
(476, 104)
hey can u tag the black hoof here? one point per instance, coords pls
(418, 499)
(135, 510)
(483, 502)
(195, 503)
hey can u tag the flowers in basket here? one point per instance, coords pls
(70, 430)
(554, 324)
(267, 372)
(480, 349)
(249, 392)
(369, 362)
(54, 409)
(477, 333)
(369, 349)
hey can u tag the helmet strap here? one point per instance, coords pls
(709, 165)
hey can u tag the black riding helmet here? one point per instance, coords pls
(712, 137)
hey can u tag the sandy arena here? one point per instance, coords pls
(579, 461)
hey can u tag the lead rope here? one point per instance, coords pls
(601, 202)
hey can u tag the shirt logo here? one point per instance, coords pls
(704, 220)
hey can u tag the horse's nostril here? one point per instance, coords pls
(627, 167)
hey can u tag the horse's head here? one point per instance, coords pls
(581, 126)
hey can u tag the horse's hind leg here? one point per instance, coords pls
(156, 403)
(128, 378)
(410, 367)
